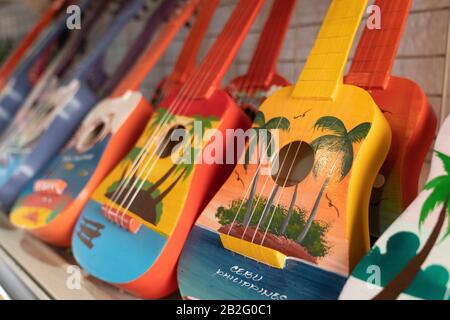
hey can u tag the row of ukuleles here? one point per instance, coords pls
(87, 161)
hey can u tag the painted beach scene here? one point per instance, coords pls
(278, 233)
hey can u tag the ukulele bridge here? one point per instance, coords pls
(254, 251)
(121, 219)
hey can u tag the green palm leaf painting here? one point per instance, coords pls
(439, 198)
(262, 128)
(338, 144)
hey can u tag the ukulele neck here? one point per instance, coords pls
(187, 60)
(133, 80)
(323, 73)
(211, 72)
(263, 65)
(376, 52)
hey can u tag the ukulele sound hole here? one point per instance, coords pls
(295, 162)
(172, 139)
(95, 134)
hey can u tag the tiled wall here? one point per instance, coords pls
(421, 57)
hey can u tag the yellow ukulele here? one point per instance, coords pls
(295, 222)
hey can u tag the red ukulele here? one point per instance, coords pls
(406, 108)
(132, 230)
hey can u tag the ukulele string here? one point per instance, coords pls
(267, 178)
(294, 75)
(190, 102)
(260, 195)
(328, 177)
(190, 86)
(305, 182)
(246, 87)
(307, 179)
(131, 171)
(266, 208)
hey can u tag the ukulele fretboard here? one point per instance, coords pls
(269, 46)
(324, 69)
(374, 58)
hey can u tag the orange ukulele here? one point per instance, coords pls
(132, 230)
(405, 106)
(250, 90)
(10, 64)
(50, 205)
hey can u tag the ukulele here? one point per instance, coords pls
(48, 124)
(406, 108)
(51, 203)
(250, 90)
(19, 84)
(149, 202)
(410, 260)
(15, 58)
(295, 224)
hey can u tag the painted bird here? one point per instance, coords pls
(304, 114)
(238, 178)
(331, 204)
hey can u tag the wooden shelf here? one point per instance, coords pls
(44, 269)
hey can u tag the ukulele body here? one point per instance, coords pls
(401, 243)
(140, 250)
(413, 125)
(225, 259)
(50, 204)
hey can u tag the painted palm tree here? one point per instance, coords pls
(261, 127)
(286, 221)
(148, 199)
(440, 196)
(336, 145)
